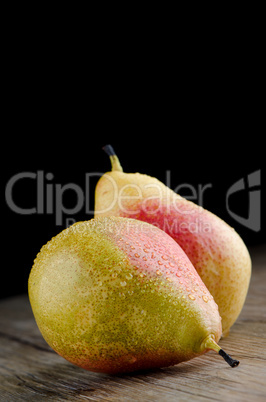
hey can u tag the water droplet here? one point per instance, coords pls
(137, 255)
(132, 359)
(114, 275)
(191, 297)
(171, 264)
(164, 257)
(132, 247)
(178, 274)
(100, 283)
(129, 276)
(158, 273)
(144, 258)
(160, 263)
(145, 250)
(153, 256)
(205, 298)
(123, 283)
(169, 279)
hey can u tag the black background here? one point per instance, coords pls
(201, 119)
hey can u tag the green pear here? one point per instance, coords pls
(216, 251)
(116, 295)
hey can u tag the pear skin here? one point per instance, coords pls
(215, 249)
(116, 295)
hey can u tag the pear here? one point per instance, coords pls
(116, 295)
(216, 251)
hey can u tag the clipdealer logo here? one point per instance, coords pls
(50, 196)
(251, 185)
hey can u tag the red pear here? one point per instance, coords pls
(217, 252)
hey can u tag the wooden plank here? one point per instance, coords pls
(31, 371)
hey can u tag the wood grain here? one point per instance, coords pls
(31, 371)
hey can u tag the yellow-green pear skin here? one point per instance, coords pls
(216, 251)
(116, 295)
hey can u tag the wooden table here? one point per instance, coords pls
(31, 371)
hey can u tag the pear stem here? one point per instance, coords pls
(211, 344)
(113, 157)
(228, 359)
